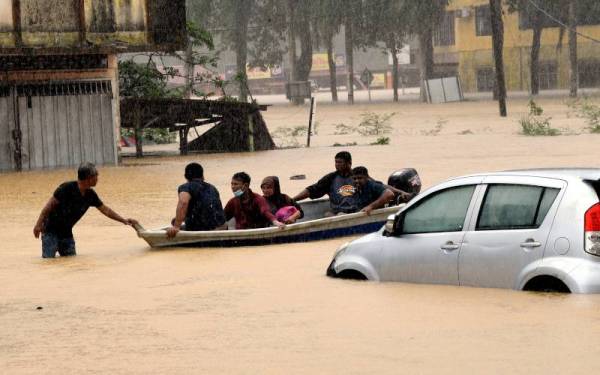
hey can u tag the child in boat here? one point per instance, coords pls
(282, 206)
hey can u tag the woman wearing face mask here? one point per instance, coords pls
(250, 210)
(282, 206)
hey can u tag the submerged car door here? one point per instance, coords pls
(510, 230)
(425, 247)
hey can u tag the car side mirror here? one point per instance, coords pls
(393, 224)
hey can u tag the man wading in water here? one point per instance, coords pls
(68, 204)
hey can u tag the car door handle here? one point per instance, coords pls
(530, 243)
(449, 246)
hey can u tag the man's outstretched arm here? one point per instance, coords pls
(108, 212)
(39, 225)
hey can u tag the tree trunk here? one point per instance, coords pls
(426, 58)
(535, 54)
(349, 44)
(332, 69)
(291, 39)
(394, 51)
(304, 62)
(498, 43)
(189, 71)
(242, 17)
(573, 65)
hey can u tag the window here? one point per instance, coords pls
(444, 211)
(515, 207)
(548, 75)
(486, 79)
(443, 34)
(483, 21)
(589, 73)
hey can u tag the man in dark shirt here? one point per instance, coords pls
(338, 185)
(68, 204)
(371, 194)
(250, 210)
(199, 204)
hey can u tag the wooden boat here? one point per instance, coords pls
(313, 226)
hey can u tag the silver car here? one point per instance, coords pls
(527, 230)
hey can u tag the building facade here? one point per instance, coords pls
(59, 74)
(463, 40)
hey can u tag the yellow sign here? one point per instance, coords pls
(319, 62)
(378, 80)
(257, 73)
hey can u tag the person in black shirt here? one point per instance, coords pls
(371, 194)
(67, 205)
(199, 204)
(338, 185)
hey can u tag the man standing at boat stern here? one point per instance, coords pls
(338, 185)
(199, 204)
(67, 205)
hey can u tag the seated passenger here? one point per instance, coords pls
(371, 194)
(250, 210)
(199, 204)
(282, 206)
(338, 185)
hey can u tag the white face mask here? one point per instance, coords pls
(238, 193)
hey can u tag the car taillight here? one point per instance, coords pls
(592, 230)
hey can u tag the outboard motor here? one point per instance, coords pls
(408, 181)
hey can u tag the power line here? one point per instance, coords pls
(561, 23)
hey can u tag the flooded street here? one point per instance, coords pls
(120, 307)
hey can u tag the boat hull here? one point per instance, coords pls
(311, 230)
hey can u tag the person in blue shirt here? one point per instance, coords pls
(370, 194)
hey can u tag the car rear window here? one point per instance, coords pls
(515, 207)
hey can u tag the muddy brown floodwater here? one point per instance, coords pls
(120, 307)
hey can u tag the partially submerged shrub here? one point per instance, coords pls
(343, 129)
(375, 124)
(381, 141)
(535, 123)
(336, 144)
(589, 111)
(287, 137)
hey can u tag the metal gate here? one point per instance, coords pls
(56, 124)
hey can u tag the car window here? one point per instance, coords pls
(515, 207)
(444, 211)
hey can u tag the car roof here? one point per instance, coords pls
(562, 173)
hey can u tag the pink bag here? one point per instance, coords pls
(284, 213)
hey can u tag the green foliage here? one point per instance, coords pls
(142, 80)
(535, 124)
(589, 111)
(374, 124)
(381, 141)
